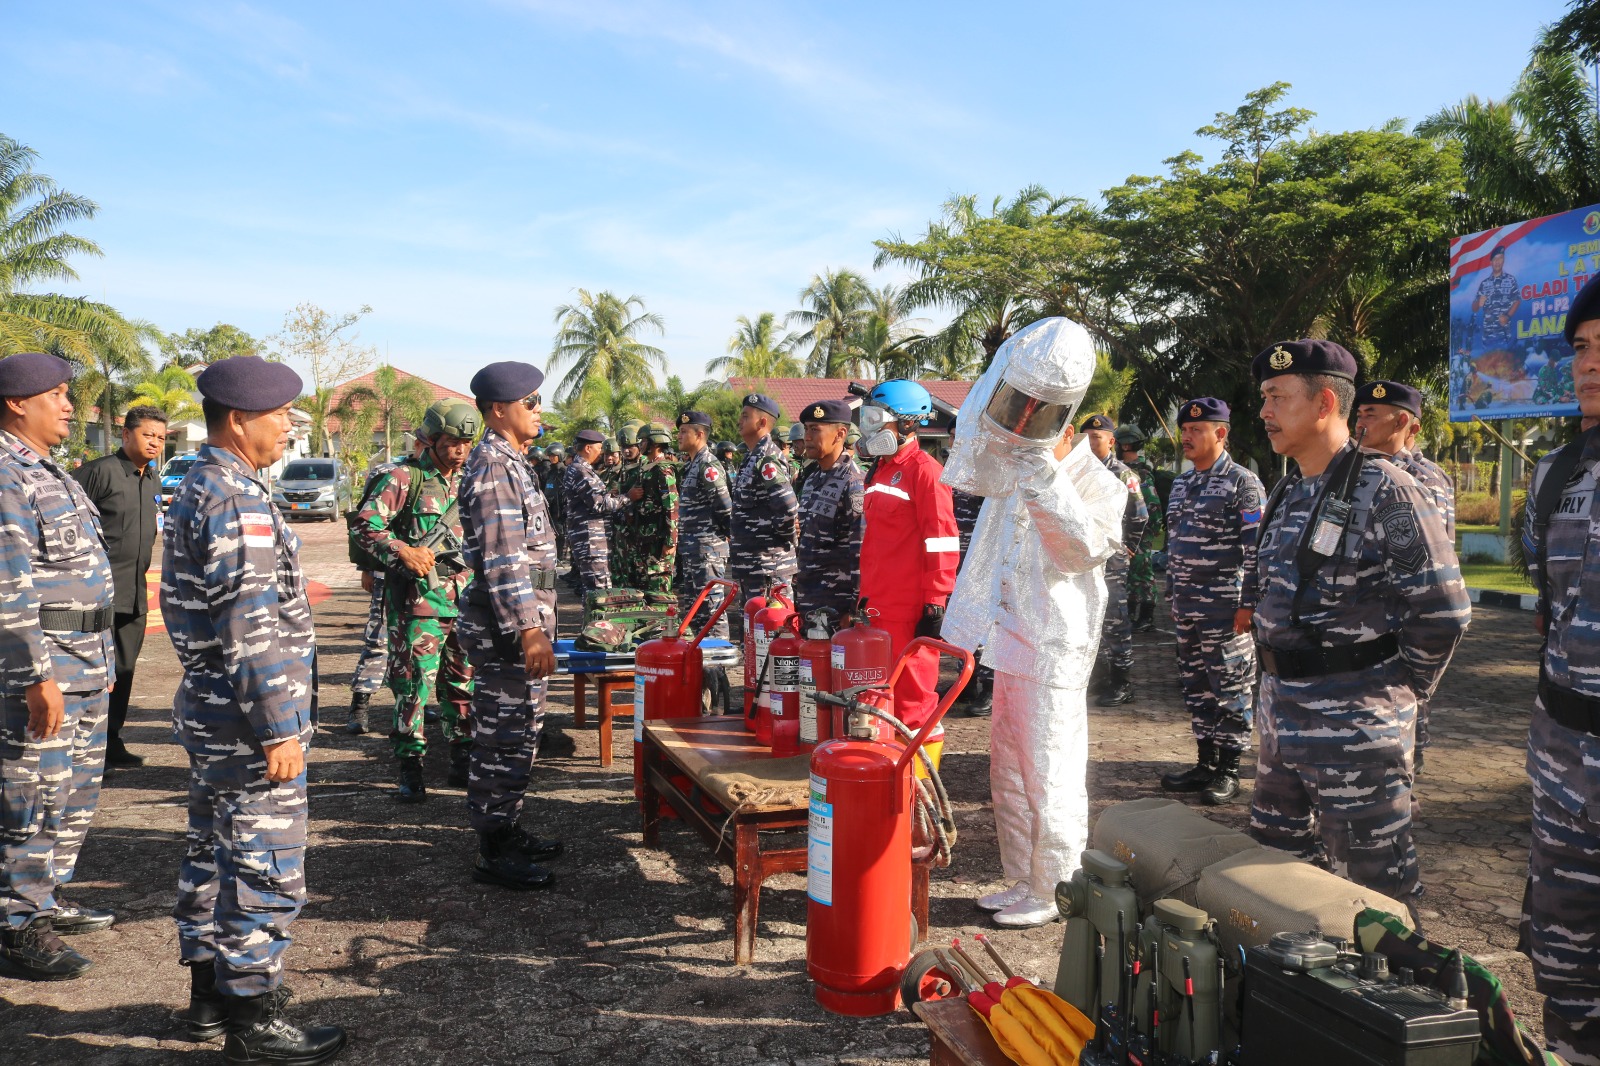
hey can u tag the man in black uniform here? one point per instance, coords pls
(127, 492)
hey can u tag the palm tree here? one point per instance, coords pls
(836, 305)
(396, 401)
(170, 391)
(34, 249)
(107, 380)
(319, 405)
(599, 336)
(672, 399)
(755, 351)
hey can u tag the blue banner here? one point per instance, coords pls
(1510, 289)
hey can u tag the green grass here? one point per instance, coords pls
(1496, 576)
(1460, 529)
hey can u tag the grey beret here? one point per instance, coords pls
(30, 373)
(506, 382)
(249, 383)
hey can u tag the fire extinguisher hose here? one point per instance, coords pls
(931, 803)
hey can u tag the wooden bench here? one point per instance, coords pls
(959, 1036)
(607, 686)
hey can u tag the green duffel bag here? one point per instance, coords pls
(608, 601)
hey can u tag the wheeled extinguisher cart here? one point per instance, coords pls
(865, 800)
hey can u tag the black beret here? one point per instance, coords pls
(694, 418)
(1393, 393)
(827, 411)
(762, 403)
(1304, 357)
(30, 373)
(1585, 306)
(1203, 409)
(588, 436)
(249, 383)
(506, 382)
(1098, 422)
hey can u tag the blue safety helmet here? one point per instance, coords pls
(904, 399)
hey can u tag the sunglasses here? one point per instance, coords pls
(532, 402)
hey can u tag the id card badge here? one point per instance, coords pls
(1331, 522)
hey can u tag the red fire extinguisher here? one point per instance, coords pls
(770, 621)
(669, 673)
(784, 672)
(862, 654)
(816, 675)
(858, 869)
(752, 607)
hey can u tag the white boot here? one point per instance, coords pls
(999, 901)
(1028, 911)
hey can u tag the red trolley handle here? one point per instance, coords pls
(967, 666)
(683, 626)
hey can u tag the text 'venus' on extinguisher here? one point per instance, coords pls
(771, 620)
(669, 673)
(816, 675)
(785, 652)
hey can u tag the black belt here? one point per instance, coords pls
(1318, 662)
(1571, 709)
(56, 620)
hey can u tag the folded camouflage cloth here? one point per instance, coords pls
(610, 600)
(617, 634)
(1502, 1041)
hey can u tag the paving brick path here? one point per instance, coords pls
(627, 957)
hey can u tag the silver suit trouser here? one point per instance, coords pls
(1038, 774)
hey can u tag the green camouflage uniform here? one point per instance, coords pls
(421, 612)
(1142, 569)
(646, 559)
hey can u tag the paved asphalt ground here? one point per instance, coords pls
(627, 958)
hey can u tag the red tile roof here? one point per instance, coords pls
(794, 394)
(439, 391)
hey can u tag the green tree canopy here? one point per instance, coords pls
(757, 351)
(597, 338)
(195, 346)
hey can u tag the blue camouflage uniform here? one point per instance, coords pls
(234, 602)
(705, 507)
(52, 559)
(1334, 775)
(589, 504)
(1116, 639)
(1431, 476)
(1213, 518)
(1499, 295)
(764, 514)
(1563, 900)
(829, 552)
(511, 548)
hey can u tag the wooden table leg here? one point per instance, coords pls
(650, 804)
(919, 899)
(578, 687)
(603, 689)
(746, 890)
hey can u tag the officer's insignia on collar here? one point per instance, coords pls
(1379, 392)
(1194, 410)
(1280, 359)
(817, 412)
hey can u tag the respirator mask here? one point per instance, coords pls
(1015, 414)
(880, 434)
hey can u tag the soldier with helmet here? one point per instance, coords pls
(400, 526)
(1142, 568)
(764, 507)
(646, 559)
(1360, 607)
(550, 484)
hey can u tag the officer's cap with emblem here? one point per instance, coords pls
(762, 403)
(1098, 422)
(1304, 357)
(1393, 393)
(506, 382)
(588, 436)
(1585, 306)
(248, 383)
(30, 373)
(694, 418)
(827, 412)
(1203, 409)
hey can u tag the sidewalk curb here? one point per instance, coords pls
(1494, 598)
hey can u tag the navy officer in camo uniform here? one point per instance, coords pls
(1562, 904)
(55, 661)
(1213, 518)
(234, 602)
(705, 507)
(1361, 605)
(508, 622)
(1116, 634)
(764, 507)
(829, 552)
(589, 506)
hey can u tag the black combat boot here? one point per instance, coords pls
(1197, 776)
(73, 918)
(1416, 762)
(1119, 689)
(1147, 618)
(207, 1016)
(412, 788)
(978, 699)
(35, 952)
(257, 1033)
(460, 764)
(1099, 677)
(501, 862)
(532, 846)
(358, 723)
(1225, 784)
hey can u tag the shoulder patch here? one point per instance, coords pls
(769, 470)
(1249, 505)
(256, 530)
(1403, 541)
(712, 473)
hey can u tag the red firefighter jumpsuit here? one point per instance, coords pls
(910, 551)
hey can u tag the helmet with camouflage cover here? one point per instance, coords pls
(657, 434)
(455, 417)
(628, 436)
(609, 446)
(1129, 436)
(853, 435)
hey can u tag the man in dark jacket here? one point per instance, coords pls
(127, 490)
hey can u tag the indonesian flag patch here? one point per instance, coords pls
(256, 529)
(769, 470)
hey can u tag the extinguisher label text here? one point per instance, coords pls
(808, 703)
(819, 844)
(640, 680)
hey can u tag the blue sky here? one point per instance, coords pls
(463, 167)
